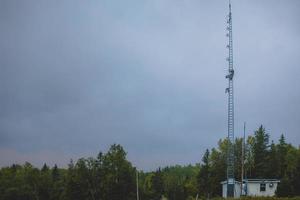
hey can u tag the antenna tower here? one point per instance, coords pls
(229, 90)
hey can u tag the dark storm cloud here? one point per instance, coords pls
(78, 76)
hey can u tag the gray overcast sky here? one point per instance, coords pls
(77, 76)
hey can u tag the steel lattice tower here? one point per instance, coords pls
(229, 90)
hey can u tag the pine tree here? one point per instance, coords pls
(273, 169)
(282, 149)
(204, 182)
(260, 150)
(157, 184)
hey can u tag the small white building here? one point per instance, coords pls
(253, 187)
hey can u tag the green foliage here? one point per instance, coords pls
(262, 160)
(204, 176)
(110, 176)
(175, 182)
(119, 175)
(260, 152)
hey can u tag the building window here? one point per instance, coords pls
(262, 187)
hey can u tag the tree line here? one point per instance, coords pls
(110, 176)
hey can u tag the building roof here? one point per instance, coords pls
(259, 180)
(256, 180)
(224, 182)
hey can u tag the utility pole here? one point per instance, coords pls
(137, 185)
(243, 159)
(229, 90)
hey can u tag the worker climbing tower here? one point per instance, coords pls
(229, 91)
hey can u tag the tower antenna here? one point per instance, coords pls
(229, 90)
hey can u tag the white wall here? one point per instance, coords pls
(224, 190)
(253, 189)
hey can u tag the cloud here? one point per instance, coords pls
(77, 77)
